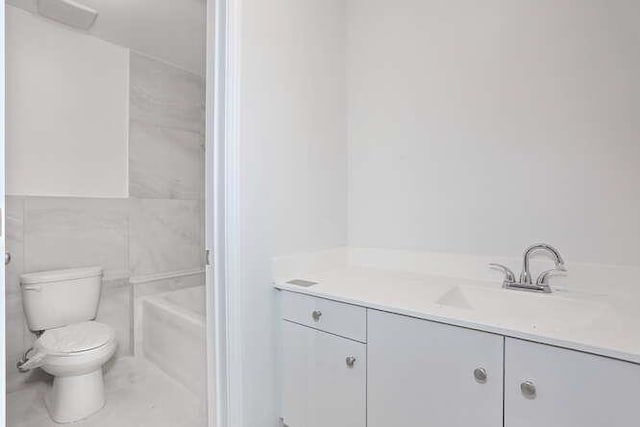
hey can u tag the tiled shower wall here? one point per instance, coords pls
(149, 242)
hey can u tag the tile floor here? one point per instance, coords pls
(138, 395)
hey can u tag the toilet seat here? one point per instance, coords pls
(75, 355)
(75, 338)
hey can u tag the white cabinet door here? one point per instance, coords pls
(421, 373)
(568, 388)
(320, 388)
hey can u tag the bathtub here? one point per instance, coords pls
(173, 336)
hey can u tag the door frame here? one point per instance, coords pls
(3, 376)
(223, 272)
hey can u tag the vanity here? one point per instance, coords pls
(372, 348)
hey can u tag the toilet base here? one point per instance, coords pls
(73, 398)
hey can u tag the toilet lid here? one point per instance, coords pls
(77, 337)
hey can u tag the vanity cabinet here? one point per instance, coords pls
(423, 373)
(349, 366)
(554, 387)
(323, 367)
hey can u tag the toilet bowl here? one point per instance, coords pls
(60, 306)
(74, 355)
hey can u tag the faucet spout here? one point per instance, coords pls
(525, 276)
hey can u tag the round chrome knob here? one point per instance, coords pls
(350, 361)
(316, 315)
(7, 258)
(480, 374)
(528, 389)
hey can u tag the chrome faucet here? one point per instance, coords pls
(526, 282)
(525, 276)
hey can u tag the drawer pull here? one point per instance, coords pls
(336, 318)
(350, 361)
(528, 389)
(480, 374)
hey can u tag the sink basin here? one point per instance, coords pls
(524, 309)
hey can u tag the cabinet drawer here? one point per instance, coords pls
(337, 318)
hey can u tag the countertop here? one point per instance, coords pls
(606, 325)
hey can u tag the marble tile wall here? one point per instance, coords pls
(17, 336)
(64, 232)
(166, 176)
(166, 131)
(157, 230)
(14, 218)
(165, 236)
(116, 310)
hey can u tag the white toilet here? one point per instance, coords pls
(61, 307)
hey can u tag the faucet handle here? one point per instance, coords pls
(509, 276)
(543, 278)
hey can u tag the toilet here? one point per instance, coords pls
(60, 307)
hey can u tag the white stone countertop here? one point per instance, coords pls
(606, 325)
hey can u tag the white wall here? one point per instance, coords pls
(481, 127)
(292, 164)
(67, 111)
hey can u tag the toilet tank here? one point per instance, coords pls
(52, 299)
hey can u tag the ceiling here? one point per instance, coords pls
(171, 30)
